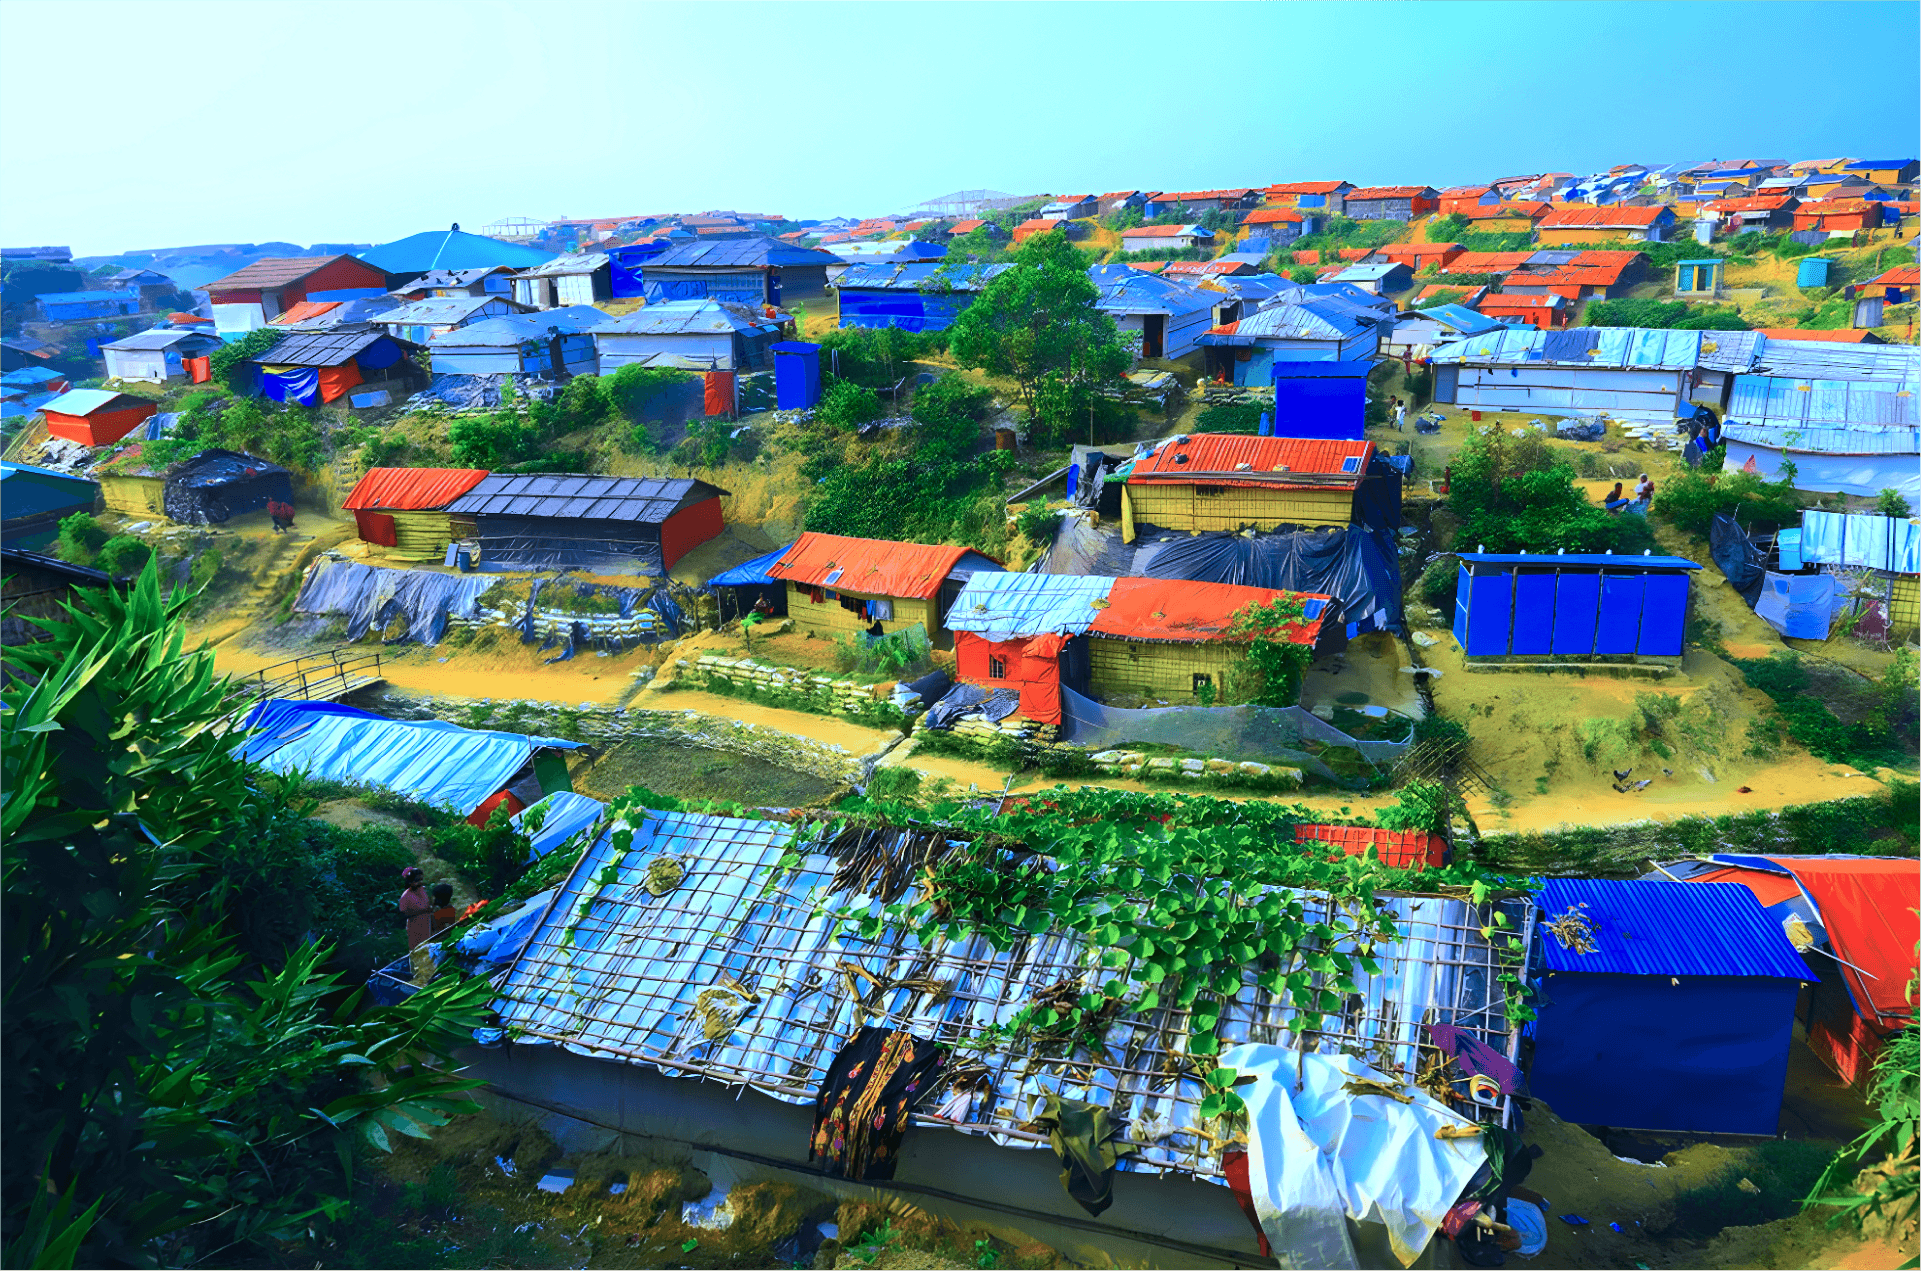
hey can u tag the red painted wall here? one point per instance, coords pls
(103, 427)
(689, 528)
(343, 274)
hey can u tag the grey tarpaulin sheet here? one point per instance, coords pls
(371, 596)
(1738, 559)
(1270, 734)
(580, 635)
(965, 699)
(1355, 566)
(477, 392)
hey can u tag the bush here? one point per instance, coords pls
(81, 538)
(1244, 417)
(1037, 522)
(1436, 584)
(492, 856)
(123, 555)
(1518, 495)
(894, 785)
(1691, 500)
(1892, 503)
(875, 357)
(845, 405)
(1665, 316)
(1303, 275)
(229, 362)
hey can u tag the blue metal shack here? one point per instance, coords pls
(796, 374)
(1321, 399)
(910, 297)
(1574, 607)
(1678, 1018)
(79, 306)
(628, 262)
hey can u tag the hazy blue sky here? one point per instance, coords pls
(164, 124)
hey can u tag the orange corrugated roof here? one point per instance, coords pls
(1308, 256)
(1162, 196)
(1486, 262)
(1465, 191)
(1148, 266)
(964, 227)
(1395, 251)
(1508, 301)
(1403, 849)
(1899, 276)
(1224, 453)
(871, 566)
(1752, 203)
(1355, 253)
(1148, 231)
(1304, 187)
(1388, 192)
(303, 310)
(1567, 217)
(1210, 267)
(1179, 610)
(412, 489)
(1271, 215)
(1833, 207)
(1844, 336)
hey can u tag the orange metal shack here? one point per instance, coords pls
(97, 417)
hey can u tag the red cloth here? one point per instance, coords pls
(720, 392)
(377, 527)
(1234, 1165)
(335, 380)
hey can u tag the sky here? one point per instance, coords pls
(258, 121)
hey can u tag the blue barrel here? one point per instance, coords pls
(796, 374)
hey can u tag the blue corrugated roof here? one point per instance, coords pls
(1460, 317)
(1553, 558)
(1013, 606)
(1664, 928)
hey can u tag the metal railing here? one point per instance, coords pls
(316, 676)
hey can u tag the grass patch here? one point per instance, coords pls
(1778, 1174)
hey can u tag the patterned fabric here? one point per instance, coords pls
(864, 1102)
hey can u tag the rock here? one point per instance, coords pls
(1108, 757)
(1193, 765)
(1425, 640)
(1254, 769)
(1161, 765)
(1220, 765)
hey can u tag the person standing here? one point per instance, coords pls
(416, 909)
(1400, 415)
(1644, 490)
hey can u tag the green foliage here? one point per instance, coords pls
(1241, 417)
(845, 405)
(976, 246)
(894, 785)
(712, 442)
(1692, 499)
(123, 554)
(228, 363)
(814, 699)
(1662, 315)
(1495, 240)
(291, 436)
(1876, 1177)
(876, 357)
(1067, 408)
(1892, 503)
(1304, 275)
(949, 413)
(1037, 522)
(493, 855)
(193, 1111)
(896, 653)
(1420, 805)
(1039, 319)
(1518, 495)
(1340, 231)
(1882, 712)
(81, 538)
(1444, 229)
(1277, 660)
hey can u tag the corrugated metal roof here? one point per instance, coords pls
(682, 317)
(1615, 347)
(436, 310)
(1581, 560)
(1645, 927)
(1805, 359)
(450, 278)
(161, 339)
(1368, 273)
(1176, 460)
(1137, 292)
(1310, 321)
(88, 297)
(570, 496)
(320, 348)
(85, 401)
(1403, 849)
(1167, 231)
(1800, 439)
(1009, 606)
(758, 252)
(1459, 317)
(1365, 192)
(1613, 216)
(412, 489)
(1181, 611)
(275, 271)
(515, 328)
(451, 249)
(1304, 187)
(872, 566)
(305, 311)
(567, 265)
(919, 276)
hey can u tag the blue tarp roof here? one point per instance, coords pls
(88, 297)
(1553, 558)
(451, 249)
(429, 760)
(1011, 606)
(1461, 318)
(752, 573)
(1646, 927)
(562, 815)
(1321, 370)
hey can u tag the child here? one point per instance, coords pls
(444, 914)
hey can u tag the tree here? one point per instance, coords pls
(175, 1110)
(1039, 319)
(1516, 495)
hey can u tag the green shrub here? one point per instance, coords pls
(894, 785)
(1518, 495)
(123, 555)
(1304, 275)
(492, 856)
(1037, 522)
(1437, 582)
(1241, 417)
(81, 538)
(1677, 315)
(1892, 503)
(1691, 500)
(845, 405)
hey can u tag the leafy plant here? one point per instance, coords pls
(81, 538)
(1875, 1177)
(123, 554)
(1037, 522)
(1892, 503)
(1241, 417)
(845, 405)
(1518, 495)
(229, 363)
(493, 855)
(1676, 315)
(1276, 656)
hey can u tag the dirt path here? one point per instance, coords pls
(856, 739)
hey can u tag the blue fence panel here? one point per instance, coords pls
(1620, 626)
(1533, 614)
(1577, 602)
(1664, 615)
(1460, 606)
(1489, 609)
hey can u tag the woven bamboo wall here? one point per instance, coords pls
(1182, 507)
(1904, 602)
(1164, 671)
(829, 619)
(420, 536)
(132, 496)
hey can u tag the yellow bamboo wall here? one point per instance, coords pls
(830, 620)
(1181, 507)
(1164, 671)
(132, 496)
(1904, 602)
(420, 536)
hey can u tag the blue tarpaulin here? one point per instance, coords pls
(435, 762)
(561, 815)
(1321, 399)
(299, 385)
(752, 573)
(1571, 606)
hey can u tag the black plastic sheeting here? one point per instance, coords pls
(515, 544)
(216, 485)
(931, 687)
(1743, 564)
(967, 699)
(581, 636)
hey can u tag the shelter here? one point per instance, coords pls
(1543, 313)
(626, 263)
(1254, 348)
(1889, 546)
(909, 297)
(1672, 1010)
(1418, 256)
(1885, 171)
(448, 284)
(35, 500)
(250, 298)
(1844, 414)
(837, 586)
(1441, 324)
(1279, 225)
(37, 586)
(1320, 195)
(159, 355)
(610, 524)
(1027, 633)
(1853, 919)
(1165, 238)
(1231, 481)
(887, 251)
(1763, 212)
(422, 253)
(1570, 608)
(423, 320)
(1168, 317)
(215, 486)
(311, 368)
(1893, 287)
(739, 589)
(1621, 372)
(130, 485)
(1617, 222)
(96, 416)
(1837, 216)
(661, 1013)
(1378, 279)
(693, 335)
(86, 306)
(1320, 400)
(1390, 202)
(405, 509)
(577, 278)
(551, 345)
(750, 271)
(465, 770)
(1071, 207)
(1188, 202)
(1175, 641)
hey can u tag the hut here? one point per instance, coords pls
(1251, 349)
(692, 335)
(738, 590)
(1646, 1025)
(159, 355)
(1168, 318)
(1624, 373)
(1548, 609)
(1441, 324)
(1887, 546)
(215, 486)
(1279, 225)
(250, 298)
(1764, 212)
(552, 345)
(312, 368)
(1838, 217)
(1071, 207)
(86, 306)
(1027, 633)
(1853, 920)
(796, 374)
(909, 297)
(422, 320)
(96, 416)
(1390, 202)
(1698, 279)
(431, 250)
(1323, 196)
(35, 500)
(405, 509)
(1190, 202)
(1174, 641)
(577, 278)
(1884, 171)
(1543, 313)
(1844, 414)
(38, 586)
(1166, 238)
(1893, 287)
(1378, 279)
(131, 486)
(607, 524)
(839, 586)
(1232, 481)
(750, 271)
(1615, 223)
(988, 229)
(1419, 256)
(448, 284)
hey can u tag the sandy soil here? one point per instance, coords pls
(854, 738)
(507, 671)
(1371, 665)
